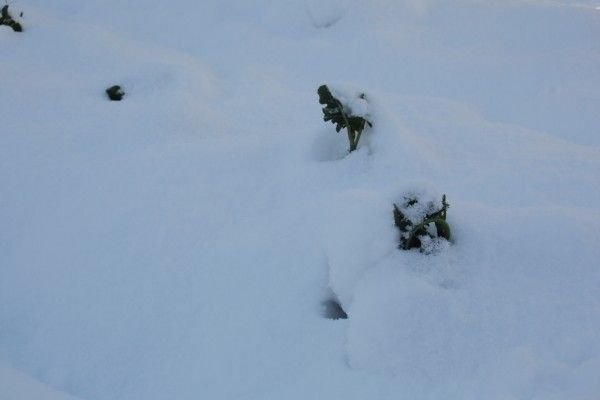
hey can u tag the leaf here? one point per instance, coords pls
(400, 220)
(6, 19)
(410, 234)
(443, 229)
(335, 112)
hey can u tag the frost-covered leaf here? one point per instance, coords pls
(7, 19)
(415, 218)
(343, 116)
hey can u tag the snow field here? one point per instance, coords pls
(178, 244)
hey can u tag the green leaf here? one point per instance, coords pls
(6, 19)
(410, 234)
(335, 112)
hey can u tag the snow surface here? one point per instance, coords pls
(180, 243)
(17, 386)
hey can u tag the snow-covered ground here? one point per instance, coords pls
(179, 244)
(16, 385)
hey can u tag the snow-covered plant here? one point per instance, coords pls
(115, 93)
(7, 19)
(422, 223)
(345, 114)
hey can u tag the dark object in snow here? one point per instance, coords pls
(339, 115)
(7, 19)
(333, 310)
(412, 233)
(115, 93)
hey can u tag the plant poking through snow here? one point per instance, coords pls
(115, 93)
(7, 19)
(419, 223)
(342, 116)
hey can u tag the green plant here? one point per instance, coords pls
(414, 230)
(115, 93)
(341, 115)
(7, 19)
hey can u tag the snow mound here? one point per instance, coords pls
(478, 316)
(489, 312)
(18, 386)
(181, 243)
(325, 14)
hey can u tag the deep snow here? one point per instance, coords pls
(180, 243)
(16, 385)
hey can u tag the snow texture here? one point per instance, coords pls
(18, 386)
(181, 243)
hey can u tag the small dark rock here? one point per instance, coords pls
(115, 93)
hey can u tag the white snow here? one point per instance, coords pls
(353, 99)
(180, 243)
(17, 386)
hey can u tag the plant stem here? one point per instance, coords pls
(357, 139)
(351, 134)
(352, 139)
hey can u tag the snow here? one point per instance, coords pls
(181, 243)
(18, 386)
(353, 99)
(503, 322)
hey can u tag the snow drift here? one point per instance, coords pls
(179, 243)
